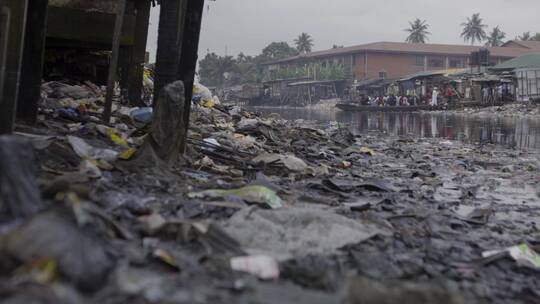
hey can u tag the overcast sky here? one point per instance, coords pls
(233, 26)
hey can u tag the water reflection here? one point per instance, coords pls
(523, 133)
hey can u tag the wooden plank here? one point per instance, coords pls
(135, 78)
(8, 101)
(32, 64)
(190, 49)
(113, 65)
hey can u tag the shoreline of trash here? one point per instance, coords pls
(261, 209)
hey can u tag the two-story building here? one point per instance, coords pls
(396, 59)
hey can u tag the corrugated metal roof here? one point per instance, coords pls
(413, 48)
(525, 61)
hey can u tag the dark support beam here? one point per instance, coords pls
(113, 65)
(171, 27)
(124, 66)
(32, 64)
(8, 101)
(4, 30)
(135, 78)
(190, 49)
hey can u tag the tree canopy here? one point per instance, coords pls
(418, 31)
(304, 43)
(473, 29)
(496, 37)
(278, 50)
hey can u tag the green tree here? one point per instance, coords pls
(304, 43)
(473, 29)
(217, 70)
(418, 31)
(536, 37)
(496, 37)
(526, 36)
(278, 50)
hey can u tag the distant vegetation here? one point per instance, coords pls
(221, 71)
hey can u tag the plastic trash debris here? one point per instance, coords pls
(290, 161)
(293, 163)
(296, 231)
(366, 150)
(80, 257)
(264, 267)
(86, 151)
(143, 115)
(522, 254)
(90, 169)
(127, 154)
(113, 135)
(203, 94)
(252, 194)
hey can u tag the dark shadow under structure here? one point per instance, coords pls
(28, 27)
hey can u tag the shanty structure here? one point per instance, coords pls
(312, 91)
(526, 71)
(28, 27)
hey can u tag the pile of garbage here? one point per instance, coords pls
(258, 210)
(521, 109)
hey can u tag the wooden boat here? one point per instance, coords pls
(453, 106)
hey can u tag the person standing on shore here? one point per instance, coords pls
(434, 97)
(449, 94)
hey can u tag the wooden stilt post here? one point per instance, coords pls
(32, 62)
(171, 27)
(139, 51)
(113, 65)
(8, 101)
(190, 48)
(4, 31)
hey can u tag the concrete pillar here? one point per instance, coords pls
(425, 63)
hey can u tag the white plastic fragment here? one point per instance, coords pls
(86, 151)
(522, 254)
(262, 266)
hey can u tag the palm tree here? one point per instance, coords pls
(473, 29)
(304, 43)
(496, 37)
(526, 36)
(418, 31)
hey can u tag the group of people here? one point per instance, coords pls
(492, 93)
(433, 97)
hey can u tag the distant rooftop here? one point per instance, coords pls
(525, 61)
(420, 48)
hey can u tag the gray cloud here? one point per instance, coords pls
(249, 25)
